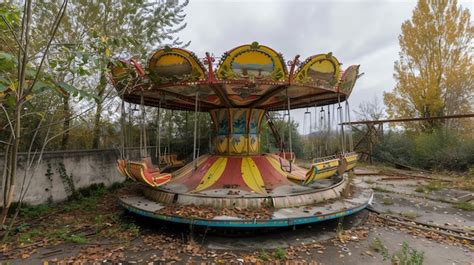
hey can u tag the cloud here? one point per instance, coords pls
(357, 32)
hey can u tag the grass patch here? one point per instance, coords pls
(435, 185)
(30, 236)
(387, 201)
(410, 215)
(86, 198)
(132, 229)
(279, 254)
(420, 189)
(465, 183)
(408, 256)
(35, 211)
(380, 189)
(77, 239)
(377, 246)
(264, 255)
(404, 256)
(369, 181)
(466, 206)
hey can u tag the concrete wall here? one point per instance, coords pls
(50, 180)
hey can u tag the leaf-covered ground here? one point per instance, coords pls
(92, 227)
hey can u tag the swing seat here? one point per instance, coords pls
(285, 165)
(287, 155)
(321, 170)
(350, 160)
(122, 168)
(150, 176)
(151, 167)
(175, 162)
(171, 160)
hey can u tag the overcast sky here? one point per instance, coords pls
(357, 32)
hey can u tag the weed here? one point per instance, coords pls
(77, 239)
(29, 236)
(264, 255)
(115, 218)
(132, 229)
(94, 190)
(369, 181)
(279, 254)
(380, 189)
(85, 203)
(466, 206)
(387, 201)
(407, 256)
(22, 227)
(377, 246)
(340, 227)
(58, 234)
(410, 214)
(435, 185)
(420, 189)
(35, 211)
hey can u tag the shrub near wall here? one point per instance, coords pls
(444, 149)
(441, 149)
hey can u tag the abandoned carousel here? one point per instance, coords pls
(236, 185)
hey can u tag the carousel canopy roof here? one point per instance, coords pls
(248, 76)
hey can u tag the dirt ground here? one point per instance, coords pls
(93, 228)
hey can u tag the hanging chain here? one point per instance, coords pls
(348, 116)
(142, 131)
(289, 130)
(328, 131)
(122, 126)
(158, 133)
(322, 125)
(195, 131)
(340, 121)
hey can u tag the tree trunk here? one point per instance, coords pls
(100, 93)
(12, 164)
(66, 124)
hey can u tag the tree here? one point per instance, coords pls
(20, 79)
(94, 30)
(27, 95)
(129, 28)
(370, 110)
(434, 73)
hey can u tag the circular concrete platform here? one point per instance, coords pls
(136, 203)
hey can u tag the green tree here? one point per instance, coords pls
(27, 93)
(22, 78)
(434, 73)
(128, 28)
(94, 30)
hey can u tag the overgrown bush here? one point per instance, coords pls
(444, 149)
(441, 149)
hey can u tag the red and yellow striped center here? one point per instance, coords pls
(248, 173)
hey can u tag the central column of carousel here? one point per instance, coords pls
(237, 174)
